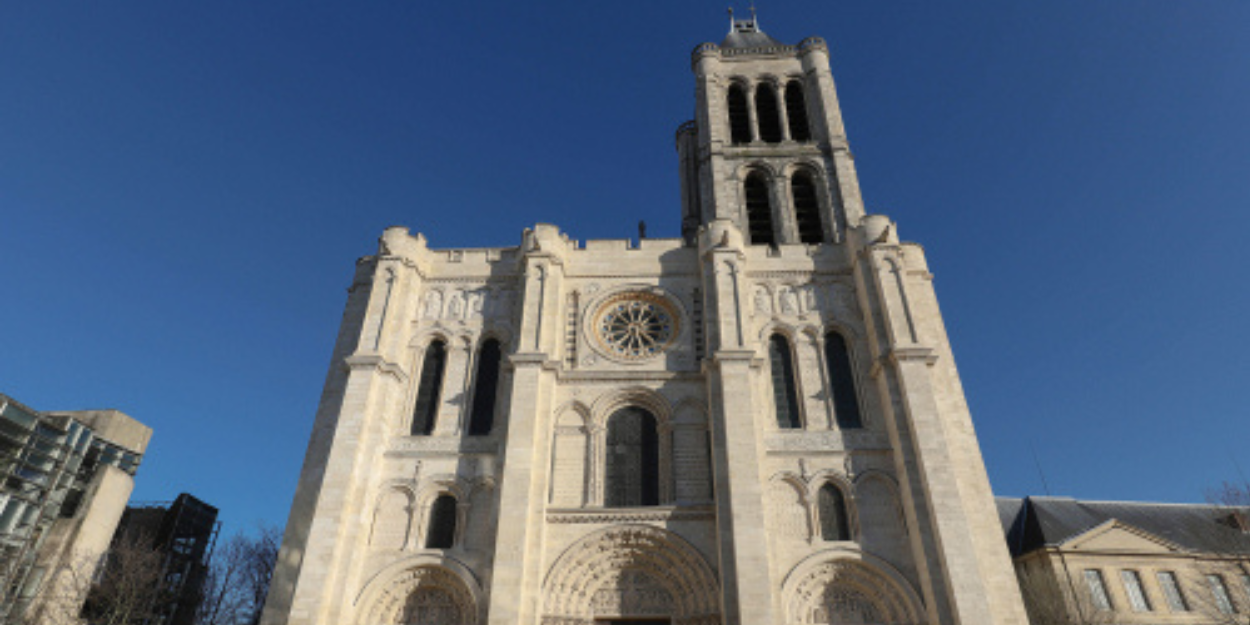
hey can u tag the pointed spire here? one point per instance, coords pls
(731, 19)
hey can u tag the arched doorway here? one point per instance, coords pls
(631, 574)
(427, 594)
(848, 587)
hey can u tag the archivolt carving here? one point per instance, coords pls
(848, 587)
(631, 570)
(423, 594)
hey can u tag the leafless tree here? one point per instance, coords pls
(121, 587)
(1232, 509)
(238, 578)
(1047, 603)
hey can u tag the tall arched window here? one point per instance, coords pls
(842, 379)
(759, 209)
(767, 113)
(739, 122)
(785, 397)
(441, 532)
(796, 112)
(831, 506)
(806, 208)
(428, 389)
(485, 388)
(632, 475)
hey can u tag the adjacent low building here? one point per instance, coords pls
(1129, 562)
(67, 477)
(183, 533)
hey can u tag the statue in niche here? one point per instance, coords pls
(763, 301)
(809, 299)
(434, 305)
(475, 304)
(789, 302)
(455, 305)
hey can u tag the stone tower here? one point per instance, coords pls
(758, 423)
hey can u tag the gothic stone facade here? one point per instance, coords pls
(758, 423)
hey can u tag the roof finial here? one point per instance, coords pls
(731, 19)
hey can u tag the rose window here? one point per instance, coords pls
(635, 326)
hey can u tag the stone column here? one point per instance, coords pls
(746, 593)
(454, 397)
(753, 115)
(966, 574)
(783, 215)
(516, 579)
(351, 425)
(784, 115)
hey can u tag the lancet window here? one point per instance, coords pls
(831, 507)
(806, 208)
(428, 389)
(485, 388)
(842, 381)
(796, 112)
(767, 114)
(785, 395)
(739, 118)
(632, 474)
(441, 531)
(759, 209)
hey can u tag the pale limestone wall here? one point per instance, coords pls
(736, 538)
(72, 552)
(1058, 572)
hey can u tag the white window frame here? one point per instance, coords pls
(1097, 585)
(1172, 591)
(1137, 598)
(1219, 591)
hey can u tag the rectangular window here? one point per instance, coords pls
(1172, 591)
(1220, 592)
(1136, 594)
(1097, 589)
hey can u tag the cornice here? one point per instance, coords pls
(376, 362)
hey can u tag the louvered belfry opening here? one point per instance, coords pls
(739, 121)
(632, 475)
(426, 409)
(796, 112)
(767, 113)
(759, 209)
(485, 388)
(441, 533)
(785, 396)
(842, 379)
(831, 506)
(806, 208)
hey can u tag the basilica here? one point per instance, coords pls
(758, 423)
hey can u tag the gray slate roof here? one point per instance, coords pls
(749, 39)
(1035, 522)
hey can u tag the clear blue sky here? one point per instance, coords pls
(184, 187)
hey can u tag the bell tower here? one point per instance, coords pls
(767, 149)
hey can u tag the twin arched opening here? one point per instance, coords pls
(777, 118)
(841, 384)
(758, 197)
(430, 388)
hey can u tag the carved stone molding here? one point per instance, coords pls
(631, 570)
(582, 515)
